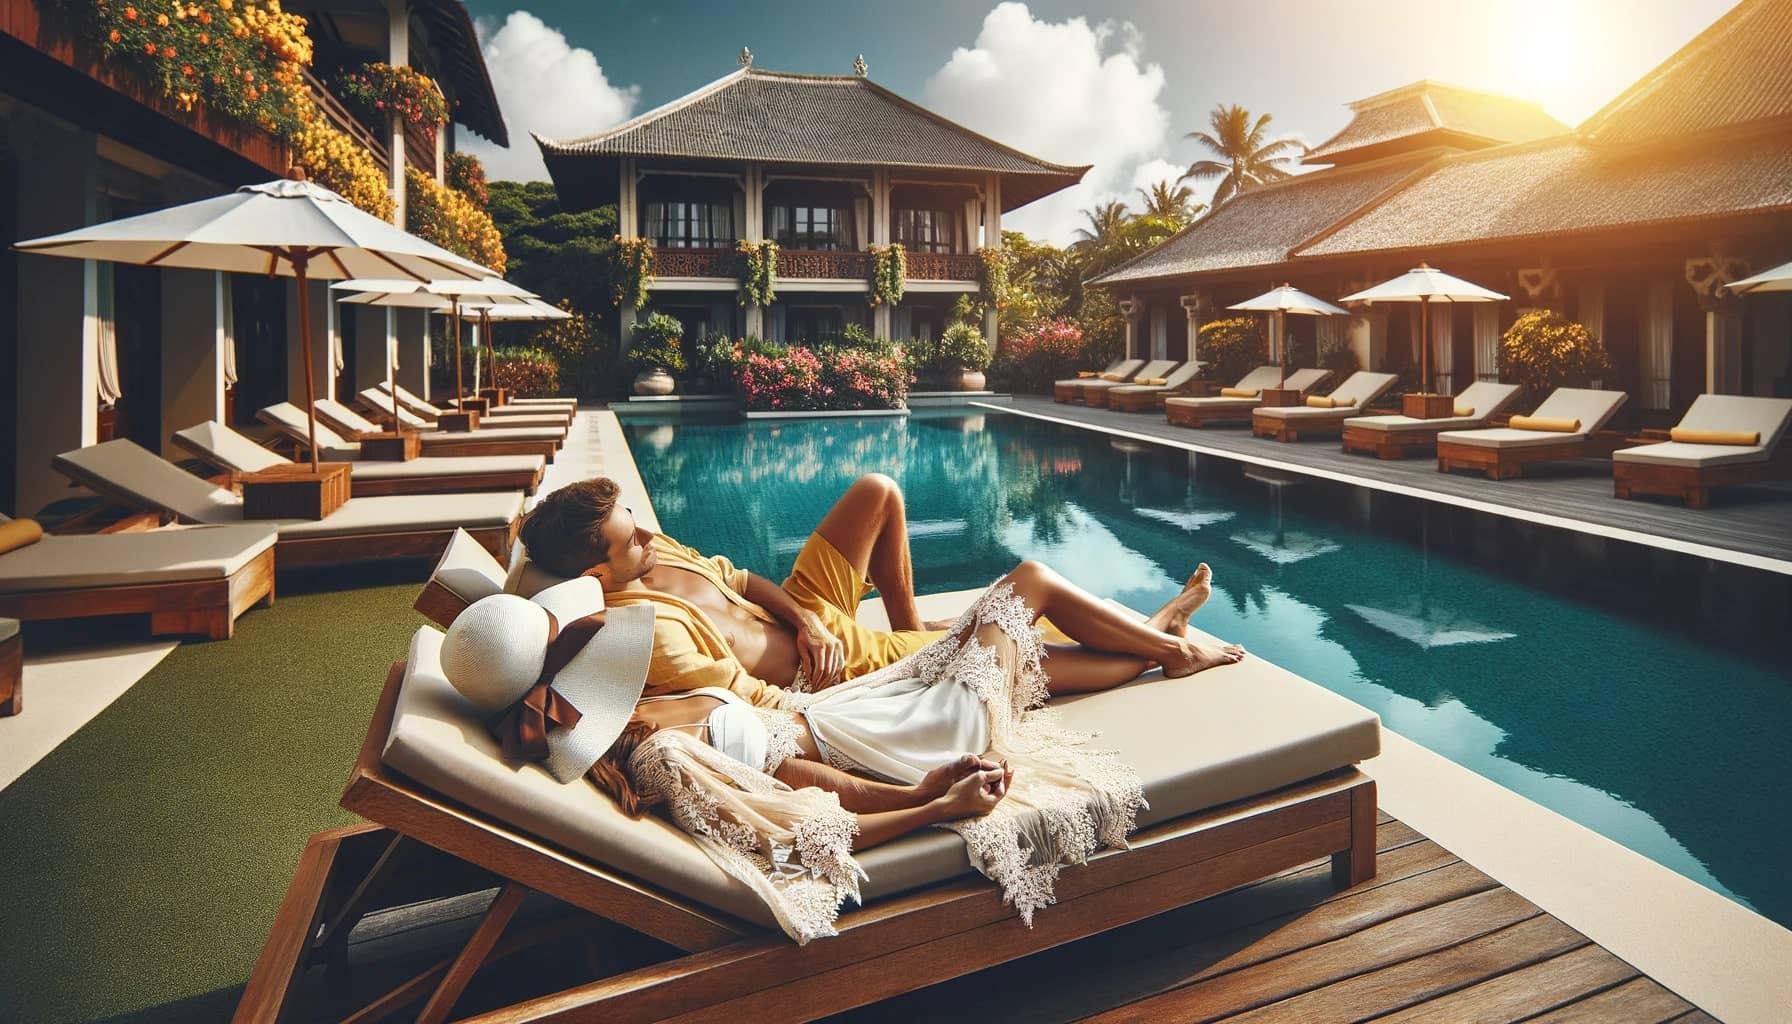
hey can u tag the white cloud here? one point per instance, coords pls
(1150, 173)
(1069, 92)
(544, 85)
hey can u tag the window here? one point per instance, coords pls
(811, 227)
(813, 324)
(679, 224)
(924, 230)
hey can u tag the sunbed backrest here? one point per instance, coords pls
(373, 398)
(1766, 416)
(1363, 387)
(228, 448)
(346, 416)
(1590, 406)
(1184, 373)
(1486, 397)
(290, 420)
(1260, 378)
(1308, 379)
(1127, 368)
(125, 469)
(467, 569)
(1156, 368)
(415, 401)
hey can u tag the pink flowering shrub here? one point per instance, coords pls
(1038, 353)
(799, 378)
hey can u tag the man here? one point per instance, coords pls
(719, 625)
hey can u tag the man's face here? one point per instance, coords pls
(631, 550)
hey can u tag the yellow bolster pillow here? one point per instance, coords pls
(1153, 381)
(1742, 437)
(1322, 402)
(1086, 374)
(1465, 410)
(1554, 426)
(18, 533)
(1113, 376)
(1238, 392)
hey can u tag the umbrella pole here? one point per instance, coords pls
(392, 383)
(459, 385)
(491, 353)
(1424, 344)
(1278, 326)
(298, 258)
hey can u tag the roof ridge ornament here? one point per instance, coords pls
(859, 67)
(745, 59)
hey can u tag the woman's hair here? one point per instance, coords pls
(611, 770)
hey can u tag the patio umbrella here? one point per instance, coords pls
(1425, 285)
(1779, 279)
(492, 288)
(290, 228)
(1279, 302)
(410, 294)
(528, 309)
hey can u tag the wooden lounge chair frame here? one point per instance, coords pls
(363, 487)
(1398, 444)
(442, 445)
(1504, 463)
(207, 608)
(733, 971)
(1692, 484)
(353, 547)
(1201, 416)
(1146, 401)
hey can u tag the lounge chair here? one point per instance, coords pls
(188, 580)
(1145, 397)
(465, 573)
(1237, 408)
(1395, 437)
(1248, 774)
(430, 412)
(290, 420)
(379, 405)
(1322, 417)
(225, 448)
(1566, 426)
(1119, 370)
(1722, 440)
(1094, 392)
(394, 526)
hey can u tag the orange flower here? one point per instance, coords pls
(248, 76)
(205, 38)
(168, 52)
(149, 48)
(162, 20)
(115, 35)
(205, 17)
(130, 14)
(187, 69)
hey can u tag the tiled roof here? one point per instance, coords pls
(476, 103)
(814, 119)
(1259, 227)
(1425, 113)
(1736, 72)
(1563, 185)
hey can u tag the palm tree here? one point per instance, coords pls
(1172, 202)
(1103, 243)
(1245, 158)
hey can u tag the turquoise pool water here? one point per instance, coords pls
(1639, 693)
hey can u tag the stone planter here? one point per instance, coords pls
(654, 381)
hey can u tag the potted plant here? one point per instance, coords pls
(962, 357)
(657, 353)
(1544, 350)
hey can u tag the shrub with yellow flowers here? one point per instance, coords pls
(1544, 350)
(444, 216)
(333, 159)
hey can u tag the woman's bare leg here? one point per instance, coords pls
(869, 526)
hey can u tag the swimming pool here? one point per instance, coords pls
(1643, 694)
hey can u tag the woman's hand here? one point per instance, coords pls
(820, 654)
(974, 795)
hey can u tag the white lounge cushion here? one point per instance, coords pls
(526, 577)
(1592, 407)
(1767, 417)
(1506, 437)
(170, 555)
(9, 628)
(554, 420)
(1306, 380)
(225, 447)
(290, 420)
(1153, 370)
(485, 433)
(448, 467)
(1487, 398)
(1260, 378)
(467, 570)
(348, 418)
(129, 470)
(570, 404)
(1362, 386)
(1124, 367)
(1180, 376)
(1213, 402)
(407, 513)
(1674, 453)
(1227, 734)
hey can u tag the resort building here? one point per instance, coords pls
(1631, 224)
(98, 350)
(830, 168)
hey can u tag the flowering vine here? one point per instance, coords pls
(378, 90)
(888, 268)
(442, 215)
(631, 278)
(757, 272)
(994, 261)
(465, 174)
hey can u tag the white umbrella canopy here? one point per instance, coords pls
(508, 309)
(290, 228)
(1424, 285)
(1779, 279)
(1281, 300)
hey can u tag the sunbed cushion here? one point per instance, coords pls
(1679, 453)
(448, 467)
(225, 447)
(1591, 407)
(1768, 417)
(526, 577)
(175, 554)
(1187, 401)
(1506, 437)
(349, 418)
(550, 420)
(1156, 368)
(1485, 397)
(485, 433)
(1227, 734)
(407, 513)
(1123, 367)
(1182, 375)
(290, 420)
(130, 471)
(1360, 389)
(1260, 378)
(1307, 379)
(468, 570)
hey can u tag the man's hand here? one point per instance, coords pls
(819, 652)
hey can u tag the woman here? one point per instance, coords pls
(779, 798)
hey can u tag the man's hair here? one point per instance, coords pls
(564, 533)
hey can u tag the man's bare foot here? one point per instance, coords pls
(1199, 656)
(1173, 617)
(935, 783)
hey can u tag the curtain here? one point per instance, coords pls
(228, 355)
(780, 227)
(1487, 341)
(1443, 347)
(108, 385)
(846, 224)
(1160, 332)
(861, 206)
(1656, 358)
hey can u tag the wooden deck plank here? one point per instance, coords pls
(1415, 981)
(1525, 992)
(1637, 1001)
(1695, 1017)
(1207, 996)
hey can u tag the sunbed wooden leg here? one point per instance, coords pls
(211, 623)
(473, 954)
(1698, 497)
(1356, 865)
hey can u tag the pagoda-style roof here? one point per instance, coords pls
(1258, 227)
(784, 118)
(463, 64)
(1427, 114)
(1734, 75)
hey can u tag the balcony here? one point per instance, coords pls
(693, 262)
(419, 147)
(806, 263)
(944, 266)
(814, 265)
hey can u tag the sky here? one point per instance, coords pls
(1116, 85)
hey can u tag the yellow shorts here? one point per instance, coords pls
(824, 582)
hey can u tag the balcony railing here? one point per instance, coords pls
(943, 266)
(806, 263)
(799, 264)
(345, 122)
(693, 262)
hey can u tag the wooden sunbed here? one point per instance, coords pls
(729, 969)
(1396, 437)
(482, 441)
(190, 582)
(1094, 392)
(1689, 470)
(1070, 388)
(1146, 397)
(1202, 412)
(217, 444)
(512, 416)
(1294, 422)
(342, 442)
(1503, 452)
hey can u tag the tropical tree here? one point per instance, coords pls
(1105, 224)
(1244, 155)
(1173, 202)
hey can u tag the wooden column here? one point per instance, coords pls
(882, 319)
(628, 226)
(1191, 308)
(398, 54)
(755, 232)
(992, 237)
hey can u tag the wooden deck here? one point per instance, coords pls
(1754, 520)
(1429, 938)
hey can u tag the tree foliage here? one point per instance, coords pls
(558, 254)
(1244, 156)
